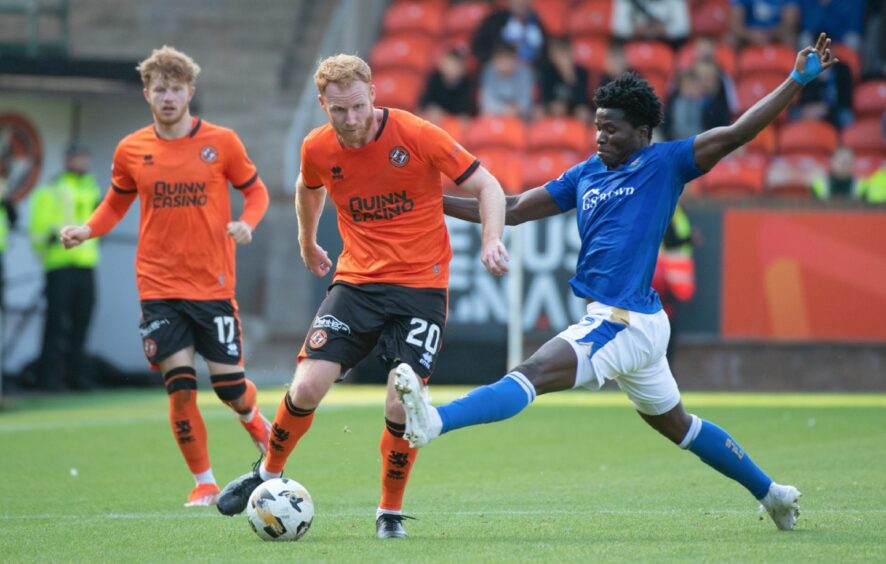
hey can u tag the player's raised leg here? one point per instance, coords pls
(187, 425)
(312, 381)
(552, 368)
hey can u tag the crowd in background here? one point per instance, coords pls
(707, 59)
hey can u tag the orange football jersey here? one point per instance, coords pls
(184, 250)
(389, 199)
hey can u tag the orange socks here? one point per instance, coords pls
(397, 459)
(189, 430)
(290, 424)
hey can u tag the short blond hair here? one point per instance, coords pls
(343, 70)
(170, 63)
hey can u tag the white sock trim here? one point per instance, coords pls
(525, 384)
(379, 512)
(694, 428)
(205, 477)
(249, 416)
(265, 475)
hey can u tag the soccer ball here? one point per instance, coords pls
(280, 510)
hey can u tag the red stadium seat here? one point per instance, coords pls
(397, 88)
(734, 177)
(869, 98)
(865, 137)
(541, 166)
(590, 53)
(724, 56)
(403, 52)
(763, 143)
(463, 19)
(651, 59)
(411, 16)
(496, 131)
(557, 133)
(553, 15)
(792, 176)
(751, 90)
(590, 18)
(807, 137)
(710, 19)
(451, 124)
(505, 164)
(850, 58)
(766, 60)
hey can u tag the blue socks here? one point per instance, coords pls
(720, 451)
(501, 400)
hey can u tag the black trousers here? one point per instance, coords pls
(70, 297)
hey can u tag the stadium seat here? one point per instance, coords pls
(542, 166)
(752, 89)
(590, 53)
(651, 59)
(398, 88)
(807, 137)
(850, 58)
(505, 164)
(724, 56)
(735, 177)
(462, 19)
(869, 98)
(763, 143)
(865, 137)
(865, 166)
(418, 17)
(557, 133)
(402, 51)
(792, 176)
(590, 18)
(710, 19)
(496, 131)
(451, 124)
(777, 60)
(553, 15)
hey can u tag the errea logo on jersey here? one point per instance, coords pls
(594, 196)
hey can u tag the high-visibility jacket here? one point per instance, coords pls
(873, 188)
(675, 269)
(68, 200)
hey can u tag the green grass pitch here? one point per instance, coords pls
(577, 477)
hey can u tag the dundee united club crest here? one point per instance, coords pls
(318, 339)
(208, 154)
(150, 348)
(399, 156)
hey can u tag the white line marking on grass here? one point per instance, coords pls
(189, 515)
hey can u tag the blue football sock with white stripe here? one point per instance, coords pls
(720, 451)
(501, 400)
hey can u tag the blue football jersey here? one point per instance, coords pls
(622, 215)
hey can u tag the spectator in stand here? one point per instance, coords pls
(842, 20)
(616, 64)
(839, 182)
(758, 22)
(517, 25)
(563, 84)
(698, 104)
(706, 50)
(828, 97)
(873, 50)
(506, 84)
(449, 89)
(660, 20)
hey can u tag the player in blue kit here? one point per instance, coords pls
(624, 195)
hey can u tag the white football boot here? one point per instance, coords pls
(782, 504)
(423, 423)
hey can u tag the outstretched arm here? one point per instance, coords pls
(532, 204)
(490, 202)
(713, 145)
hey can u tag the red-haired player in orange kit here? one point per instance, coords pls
(179, 168)
(381, 167)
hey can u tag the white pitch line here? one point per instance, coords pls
(191, 514)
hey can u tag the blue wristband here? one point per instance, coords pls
(813, 69)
